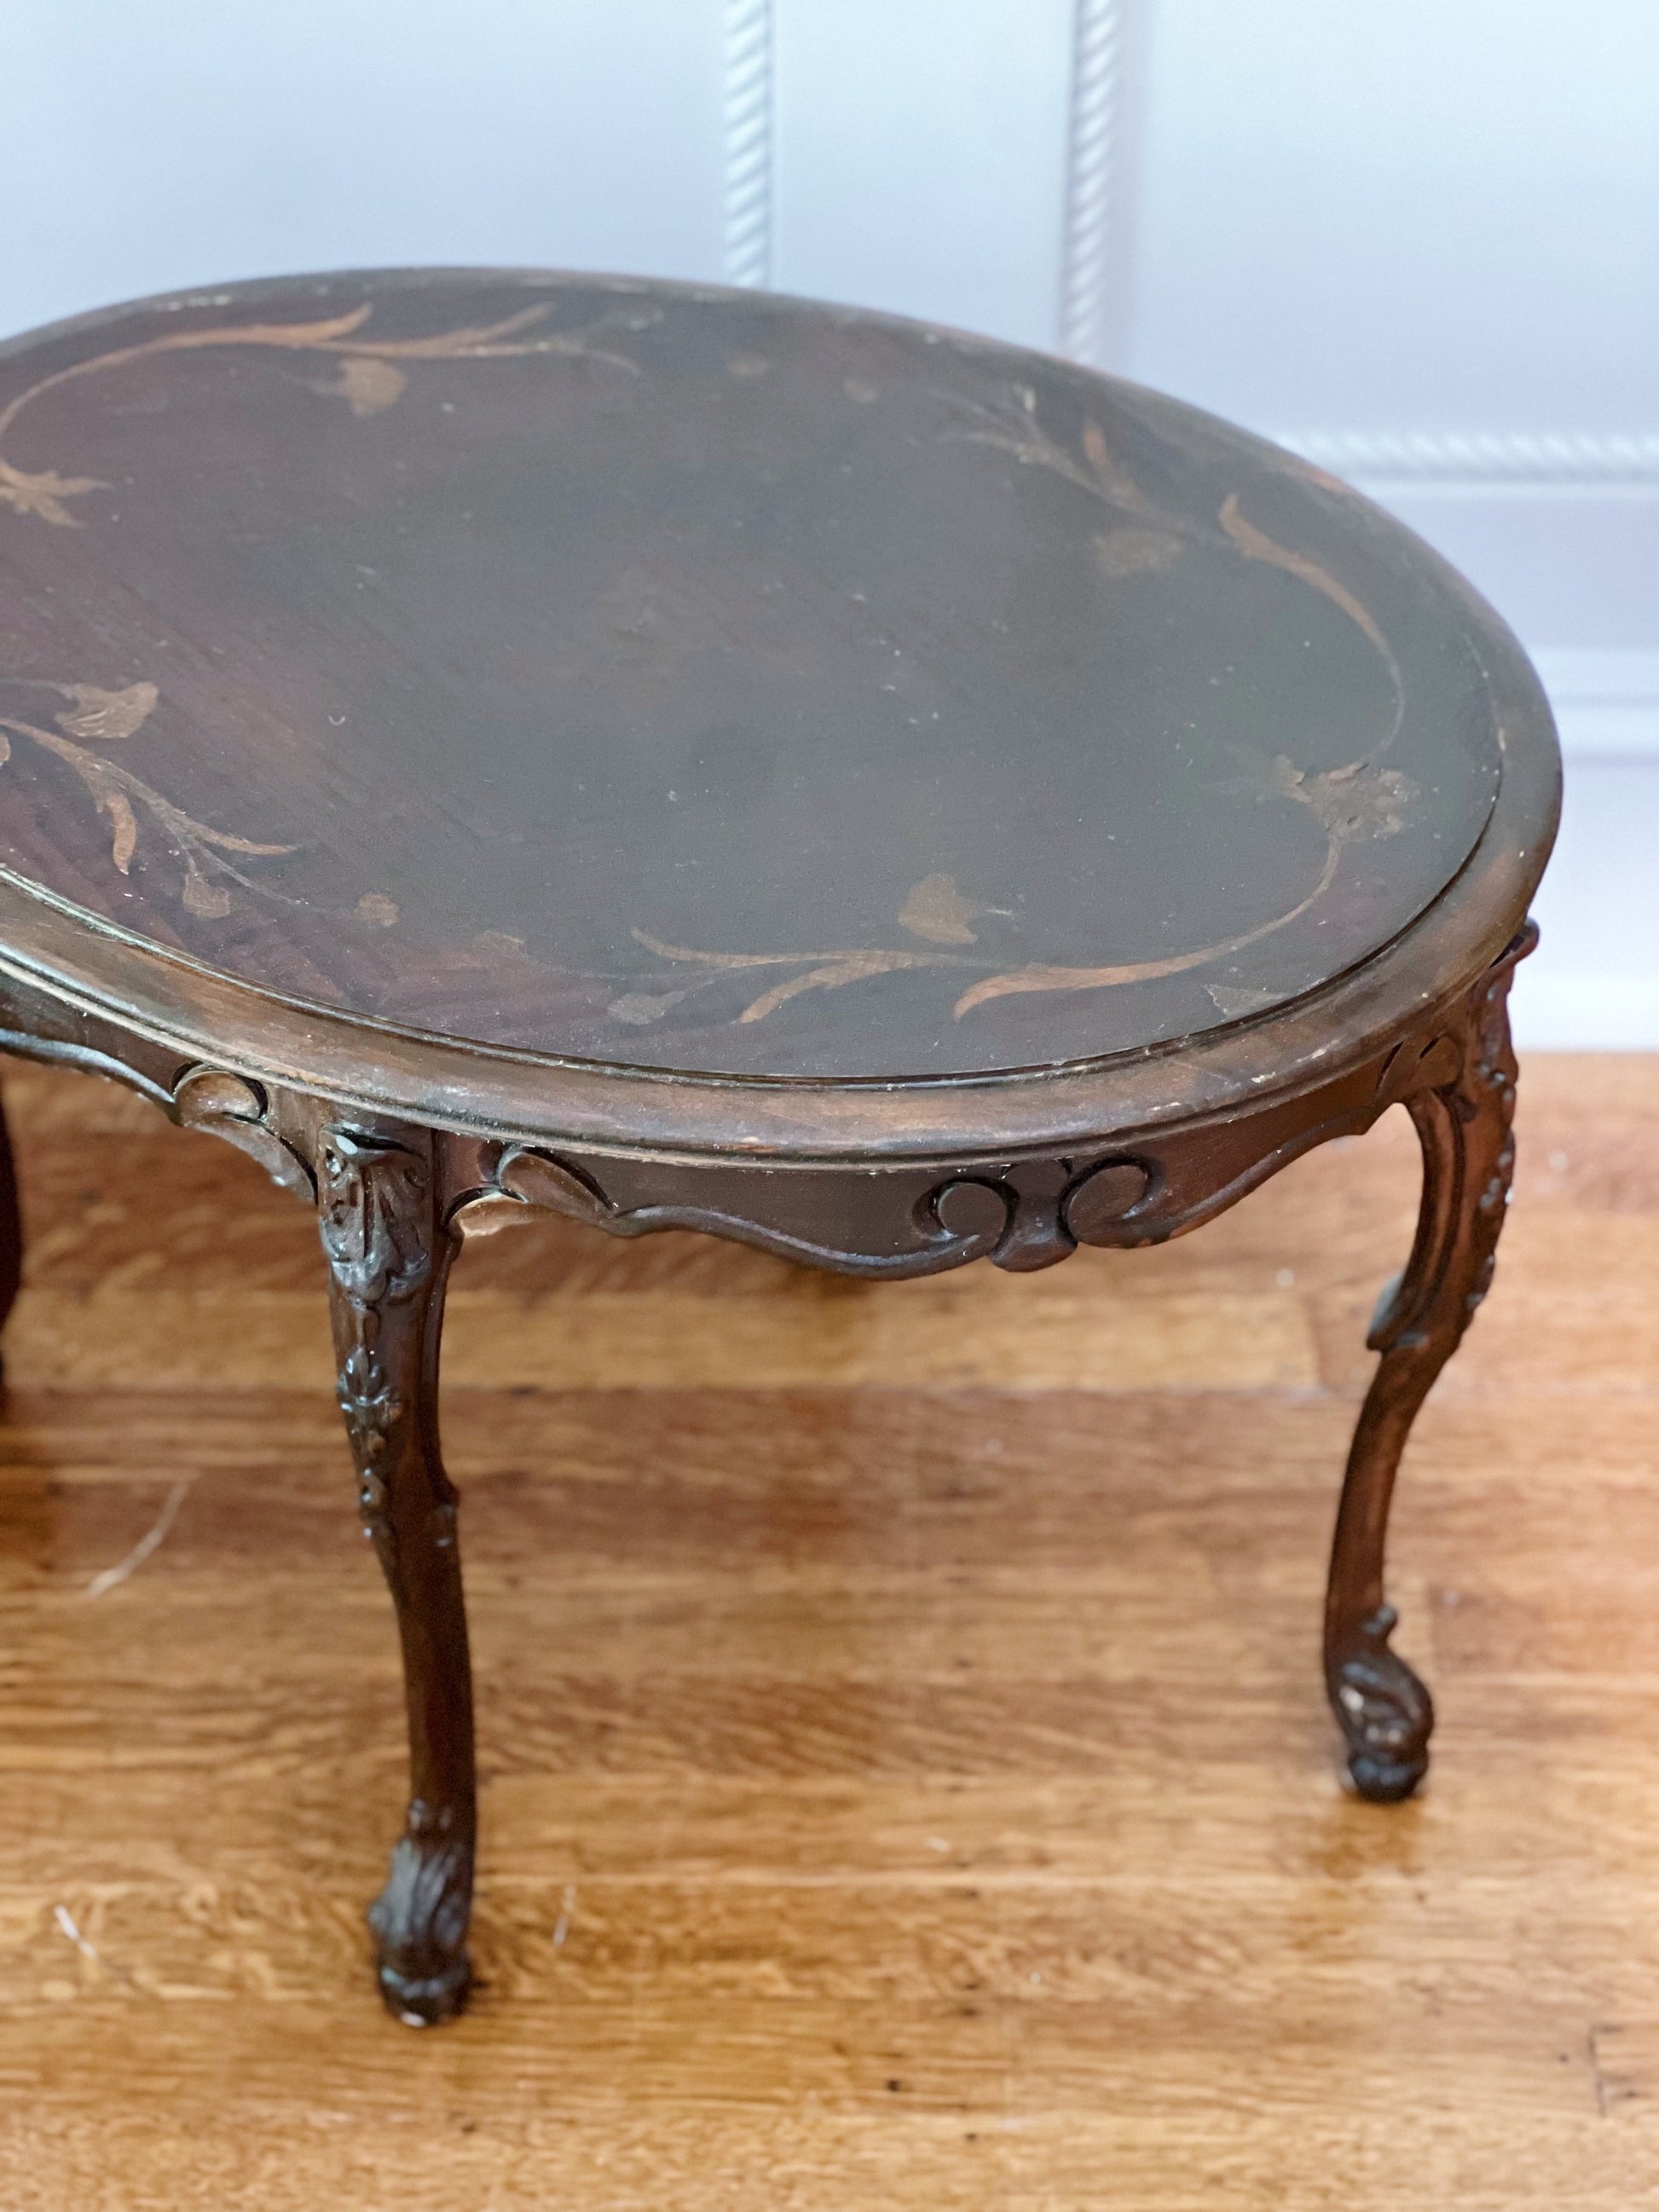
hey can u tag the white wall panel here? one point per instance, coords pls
(920, 157)
(1419, 240)
(151, 143)
(1435, 215)
(1592, 986)
(1573, 568)
(1421, 243)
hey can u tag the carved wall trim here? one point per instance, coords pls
(1094, 178)
(1592, 459)
(748, 142)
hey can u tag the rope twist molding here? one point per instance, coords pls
(1497, 457)
(1093, 160)
(748, 141)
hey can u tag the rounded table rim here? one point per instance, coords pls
(379, 1068)
(383, 1067)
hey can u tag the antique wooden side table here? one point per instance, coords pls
(688, 759)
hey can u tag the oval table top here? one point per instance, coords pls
(680, 679)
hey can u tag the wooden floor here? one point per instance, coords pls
(906, 1777)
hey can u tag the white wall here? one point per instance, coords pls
(1419, 241)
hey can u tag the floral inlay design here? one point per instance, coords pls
(96, 718)
(371, 378)
(1357, 801)
(830, 971)
(1144, 537)
(1137, 536)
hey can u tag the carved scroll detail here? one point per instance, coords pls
(421, 1914)
(1021, 1215)
(371, 1197)
(526, 1180)
(239, 1109)
(1383, 1708)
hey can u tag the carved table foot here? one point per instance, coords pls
(419, 1919)
(1383, 1708)
(388, 1256)
(1464, 1116)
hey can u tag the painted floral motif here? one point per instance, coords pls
(45, 494)
(96, 718)
(830, 971)
(372, 377)
(1350, 804)
(1357, 800)
(1144, 538)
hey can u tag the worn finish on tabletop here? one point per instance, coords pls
(496, 746)
(661, 677)
(839, 1728)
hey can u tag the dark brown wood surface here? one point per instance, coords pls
(1268, 788)
(905, 1684)
(693, 680)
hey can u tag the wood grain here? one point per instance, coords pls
(754, 557)
(896, 1787)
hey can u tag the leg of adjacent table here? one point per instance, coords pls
(388, 1256)
(1468, 1154)
(11, 1227)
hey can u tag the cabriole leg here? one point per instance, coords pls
(12, 1229)
(1464, 1126)
(388, 1255)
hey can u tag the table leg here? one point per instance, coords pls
(1464, 1126)
(11, 1227)
(388, 1255)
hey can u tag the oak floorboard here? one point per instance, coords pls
(904, 1775)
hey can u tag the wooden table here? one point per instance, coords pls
(490, 741)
